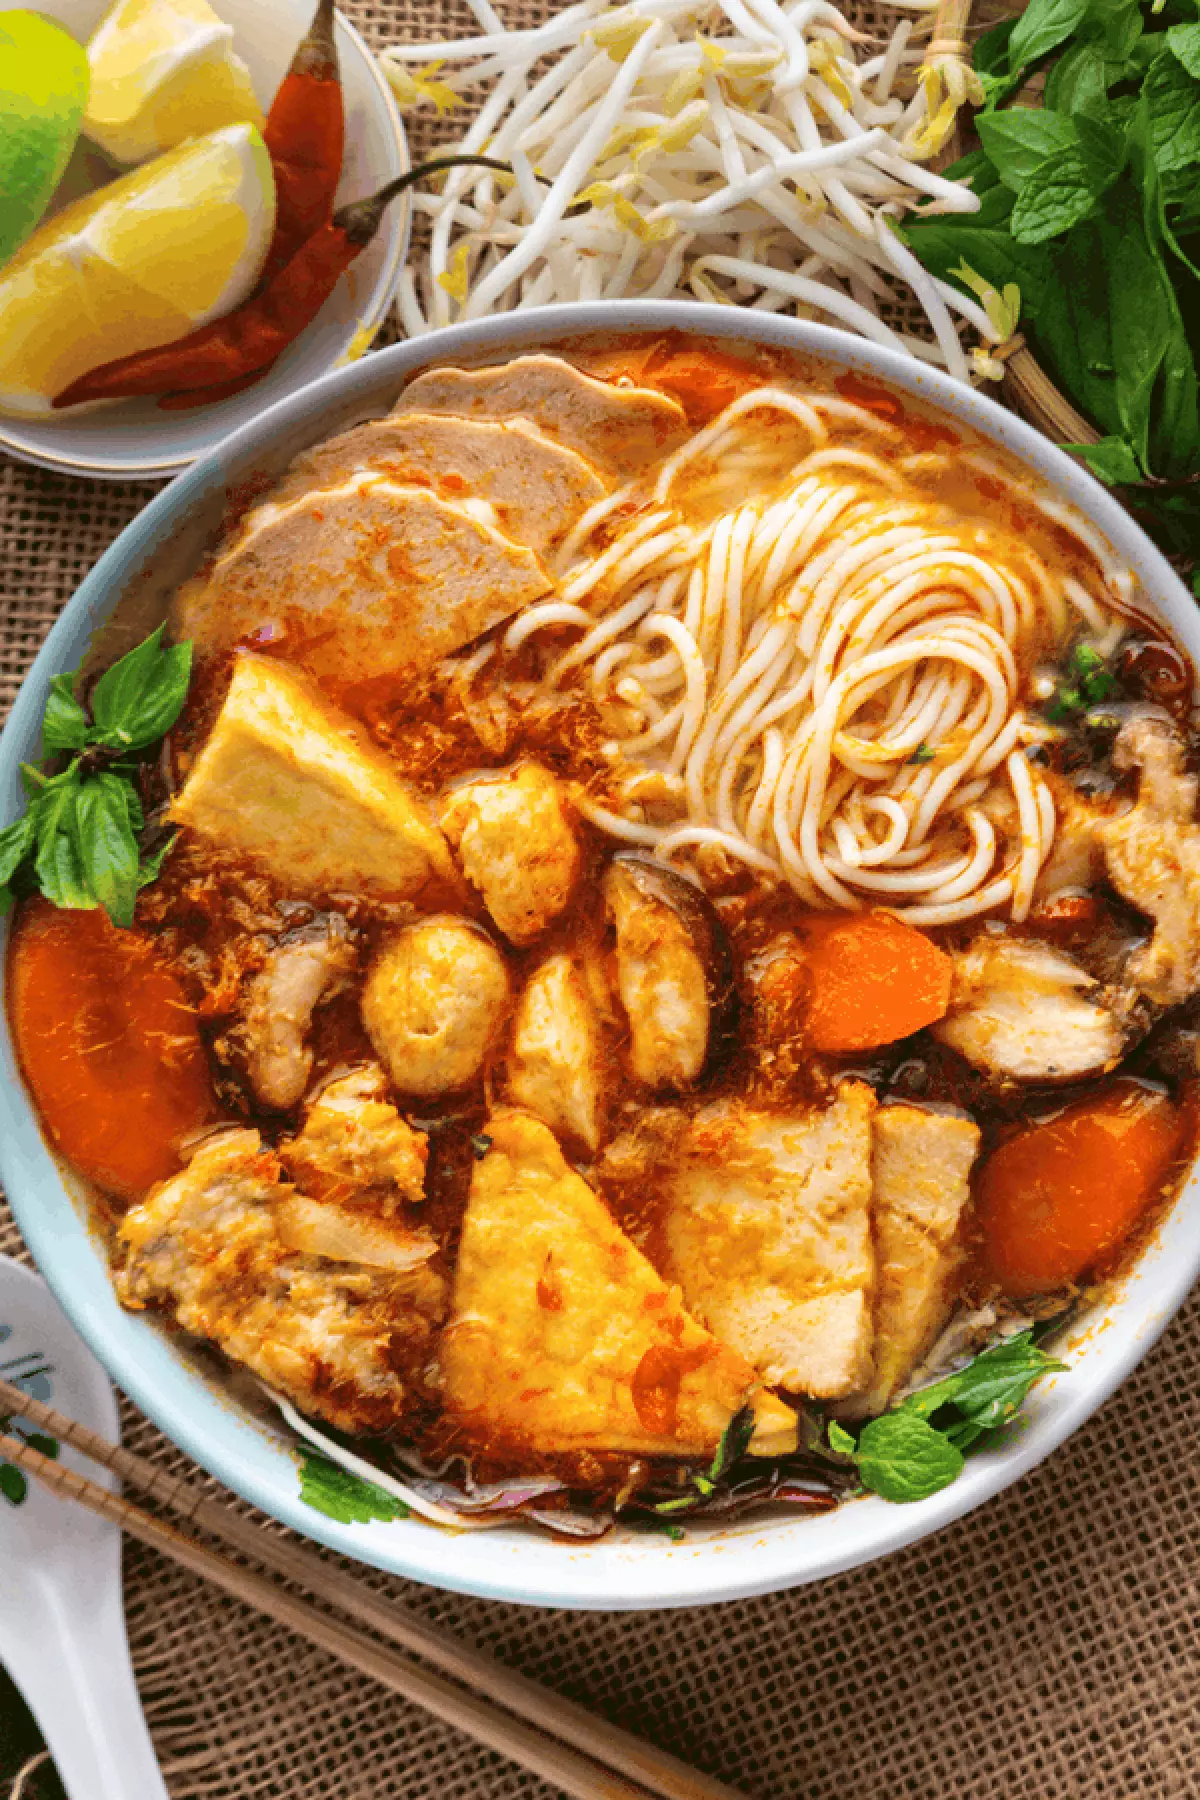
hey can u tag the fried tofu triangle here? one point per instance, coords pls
(286, 779)
(562, 1337)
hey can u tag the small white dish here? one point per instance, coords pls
(133, 440)
(62, 1623)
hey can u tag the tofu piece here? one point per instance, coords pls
(355, 1147)
(618, 429)
(1023, 1011)
(661, 980)
(1153, 859)
(767, 1231)
(286, 779)
(556, 1060)
(516, 846)
(537, 488)
(921, 1165)
(562, 1337)
(302, 971)
(367, 580)
(331, 1330)
(434, 1004)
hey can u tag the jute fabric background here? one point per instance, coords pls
(1045, 1649)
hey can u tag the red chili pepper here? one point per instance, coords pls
(245, 342)
(305, 134)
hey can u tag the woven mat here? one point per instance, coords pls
(1044, 1649)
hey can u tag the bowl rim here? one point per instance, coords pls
(517, 1566)
(157, 468)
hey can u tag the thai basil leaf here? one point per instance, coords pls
(991, 1389)
(65, 724)
(1116, 26)
(902, 1458)
(141, 696)
(1018, 142)
(1184, 42)
(150, 867)
(58, 866)
(106, 845)
(1111, 461)
(16, 841)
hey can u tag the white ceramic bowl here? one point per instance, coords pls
(135, 439)
(249, 1454)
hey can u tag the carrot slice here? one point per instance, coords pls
(1060, 1197)
(873, 980)
(108, 1046)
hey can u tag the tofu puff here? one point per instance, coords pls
(562, 1337)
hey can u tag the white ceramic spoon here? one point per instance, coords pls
(62, 1623)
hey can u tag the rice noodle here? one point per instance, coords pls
(830, 662)
(752, 152)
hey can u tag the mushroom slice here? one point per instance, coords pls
(563, 1338)
(372, 578)
(344, 1339)
(434, 1004)
(1153, 857)
(622, 429)
(516, 846)
(287, 780)
(354, 1145)
(537, 488)
(920, 1168)
(768, 1234)
(555, 1065)
(674, 970)
(1023, 1011)
(305, 968)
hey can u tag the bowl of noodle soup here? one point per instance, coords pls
(823, 630)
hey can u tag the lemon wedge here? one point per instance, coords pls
(143, 261)
(163, 71)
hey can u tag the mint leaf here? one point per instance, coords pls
(1065, 189)
(338, 1494)
(1111, 460)
(902, 1458)
(106, 845)
(1078, 80)
(139, 698)
(1184, 42)
(1171, 96)
(1017, 142)
(65, 725)
(1042, 27)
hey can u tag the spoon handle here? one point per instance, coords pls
(77, 1681)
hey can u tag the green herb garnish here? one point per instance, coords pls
(922, 754)
(77, 842)
(735, 1440)
(1087, 682)
(481, 1143)
(918, 1448)
(1090, 211)
(340, 1495)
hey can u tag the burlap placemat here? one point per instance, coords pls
(1044, 1649)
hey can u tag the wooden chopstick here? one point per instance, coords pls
(632, 1759)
